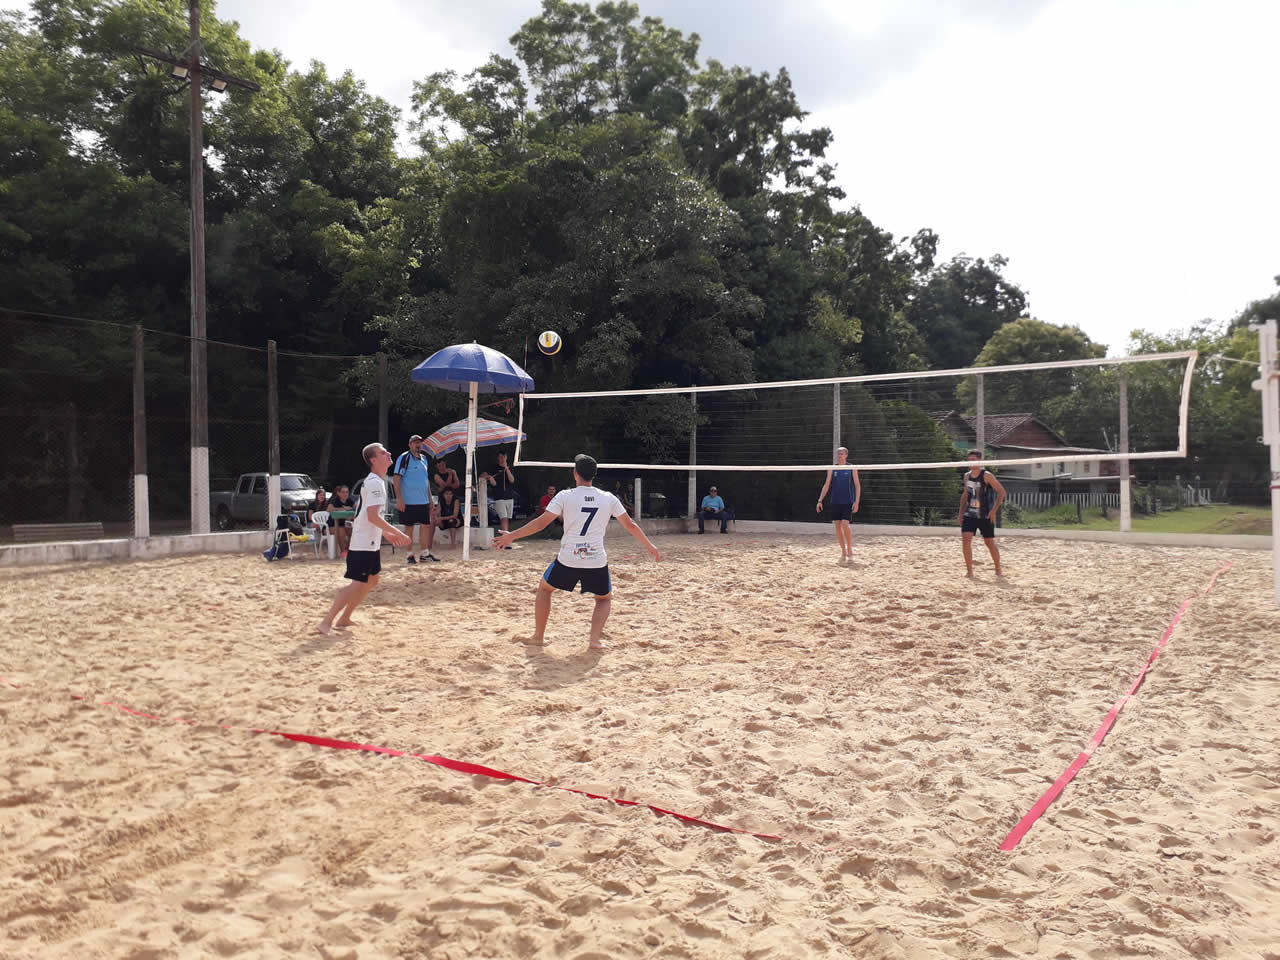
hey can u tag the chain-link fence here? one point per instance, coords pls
(66, 415)
(77, 429)
(72, 443)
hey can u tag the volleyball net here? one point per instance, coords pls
(1062, 422)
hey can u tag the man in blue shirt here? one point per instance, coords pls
(412, 479)
(713, 508)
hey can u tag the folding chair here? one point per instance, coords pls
(320, 531)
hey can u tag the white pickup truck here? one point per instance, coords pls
(247, 503)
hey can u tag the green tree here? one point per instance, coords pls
(1028, 341)
(960, 305)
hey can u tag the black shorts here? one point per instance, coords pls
(363, 564)
(415, 513)
(842, 511)
(972, 524)
(593, 579)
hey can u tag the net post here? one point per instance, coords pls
(472, 394)
(981, 438)
(1268, 383)
(835, 420)
(638, 498)
(141, 496)
(1126, 505)
(382, 399)
(273, 436)
(693, 458)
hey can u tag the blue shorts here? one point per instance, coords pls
(593, 579)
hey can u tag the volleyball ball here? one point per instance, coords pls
(549, 342)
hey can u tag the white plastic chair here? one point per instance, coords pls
(320, 528)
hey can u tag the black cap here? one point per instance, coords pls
(585, 466)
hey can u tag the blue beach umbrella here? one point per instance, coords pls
(476, 369)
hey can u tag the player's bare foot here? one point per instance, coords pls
(323, 628)
(531, 641)
(347, 623)
(597, 645)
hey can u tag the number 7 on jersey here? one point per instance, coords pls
(591, 515)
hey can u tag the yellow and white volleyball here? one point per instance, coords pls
(549, 342)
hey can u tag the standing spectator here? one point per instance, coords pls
(341, 500)
(713, 509)
(412, 479)
(445, 478)
(364, 560)
(502, 481)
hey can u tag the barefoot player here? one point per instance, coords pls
(846, 491)
(585, 511)
(364, 554)
(977, 512)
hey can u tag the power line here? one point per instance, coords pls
(183, 336)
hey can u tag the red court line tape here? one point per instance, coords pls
(461, 766)
(1041, 805)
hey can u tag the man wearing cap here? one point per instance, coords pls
(713, 508)
(412, 479)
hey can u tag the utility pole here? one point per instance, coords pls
(1268, 383)
(189, 67)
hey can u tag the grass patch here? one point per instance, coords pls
(1218, 518)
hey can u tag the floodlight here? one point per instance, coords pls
(179, 72)
(219, 85)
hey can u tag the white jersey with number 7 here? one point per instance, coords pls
(585, 512)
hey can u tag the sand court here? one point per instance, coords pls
(889, 720)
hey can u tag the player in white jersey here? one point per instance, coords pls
(364, 554)
(585, 511)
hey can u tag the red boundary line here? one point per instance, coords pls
(1041, 805)
(461, 766)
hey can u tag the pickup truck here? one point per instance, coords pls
(247, 503)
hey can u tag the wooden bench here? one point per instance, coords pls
(30, 532)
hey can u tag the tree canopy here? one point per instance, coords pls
(674, 218)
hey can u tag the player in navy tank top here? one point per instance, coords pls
(846, 492)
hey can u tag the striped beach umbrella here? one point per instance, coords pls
(489, 433)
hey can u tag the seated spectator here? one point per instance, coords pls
(546, 498)
(445, 478)
(713, 508)
(622, 492)
(450, 514)
(340, 528)
(321, 502)
(551, 533)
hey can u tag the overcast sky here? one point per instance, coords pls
(1123, 154)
